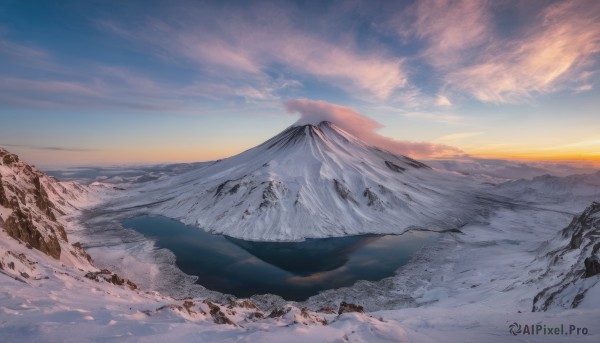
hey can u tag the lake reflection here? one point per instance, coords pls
(293, 270)
(307, 257)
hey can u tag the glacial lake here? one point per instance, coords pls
(293, 270)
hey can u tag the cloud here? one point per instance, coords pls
(246, 44)
(584, 143)
(584, 88)
(364, 128)
(450, 28)
(549, 52)
(49, 148)
(543, 61)
(24, 55)
(435, 116)
(442, 101)
(458, 136)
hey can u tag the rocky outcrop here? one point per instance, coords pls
(343, 191)
(415, 164)
(19, 226)
(270, 197)
(7, 158)
(218, 316)
(576, 263)
(32, 213)
(41, 198)
(394, 167)
(373, 199)
(110, 277)
(346, 308)
(3, 199)
(592, 266)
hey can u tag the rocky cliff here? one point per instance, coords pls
(31, 204)
(573, 271)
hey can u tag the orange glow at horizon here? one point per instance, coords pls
(590, 158)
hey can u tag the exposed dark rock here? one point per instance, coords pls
(394, 167)
(41, 199)
(290, 136)
(584, 242)
(256, 315)
(234, 189)
(327, 310)
(244, 304)
(343, 191)
(269, 196)
(580, 225)
(20, 226)
(220, 187)
(415, 163)
(578, 298)
(188, 305)
(278, 312)
(94, 275)
(81, 251)
(305, 313)
(110, 277)
(592, 266)
(3, 198)
(373, 198)
(7, 158)
(218, 316)
(346, 307)
(62, 233)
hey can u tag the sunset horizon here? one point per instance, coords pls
(149, 83)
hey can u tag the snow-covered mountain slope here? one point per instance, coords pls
(310, 181)
(573, 265)
(569, 193)
(33, 210)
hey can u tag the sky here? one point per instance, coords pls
(114, 82)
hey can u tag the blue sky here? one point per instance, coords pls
(100, 82)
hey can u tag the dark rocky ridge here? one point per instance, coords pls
(583, 234)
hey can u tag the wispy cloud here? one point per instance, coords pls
(364, 128)
(272, 51)
(24, 54)
(442, 101)
(549, 53)
(248, 45)
(458, 136)
(584, 88)
(580, 144)
(450, 28)
(435, 116)
(49, 148)
(566, 39)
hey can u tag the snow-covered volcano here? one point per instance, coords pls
(310, 181)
